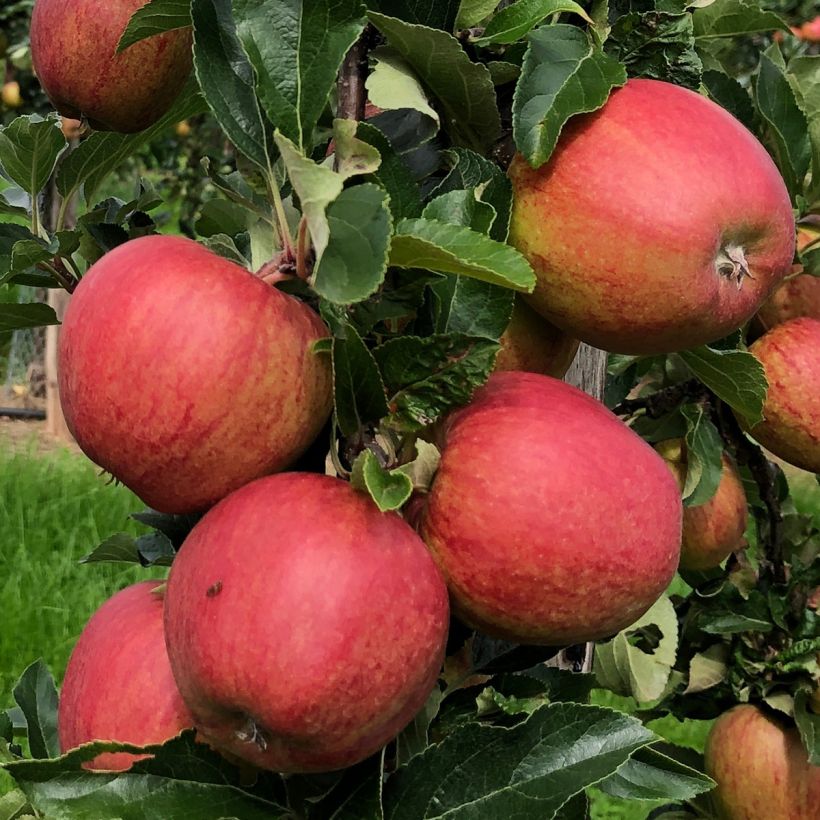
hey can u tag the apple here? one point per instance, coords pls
(305, 628)
(72, 129)
(791, 429)
(185, 376)
(761, 768)
(183, 129)
(11, 95)
(810, 30)
(714, 530)
(73, 47)
(659, 223)
(552, 521)
(532, 344)
(118, 685)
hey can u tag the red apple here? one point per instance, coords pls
(790, 355)
(659, 223)
(73, 47)
(532, 344)
(185, 376)
(796, 297)
(714, 530)
(305, 628)
(118, 685)
(552, 521)
(761, 768)
(810, 31)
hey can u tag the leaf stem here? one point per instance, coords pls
(301, 251)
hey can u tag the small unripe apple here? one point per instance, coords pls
(552, 521)
(791, 429)
(714, 530)
(761, 768)
(118, 684)
(72, 129)
(74, 50)
(185, 376)
(183, 129)
(659, 222)
(530, 343)
(305, 628)
(11, 95)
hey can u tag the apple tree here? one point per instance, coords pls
(404, 552)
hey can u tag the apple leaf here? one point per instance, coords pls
(530, 770)
(356, 796)
(462, 207)
(98, 155)
(155, 17)
(563, 74)
(359, 391)
(415, 737)
(14, 201)
(704, 447)
(353, 265)
(652, 775)
(29, 149)
(11, 235)
(493, 655)
(728, 93)
(657, 45)
(389, 489)
(153, 549)
(227, 79)
(808, 724)
(472, 12)
(17, 317)
(733, 18)
(462, 89)
(472, 307)
(36, 695)
(443, 248)
(734, 376)
(708, 668)
(427, 377)
(439, 14)
(393, 84)
(296, 49)
(637, 661)
(786, 130)
(513, 22)
(804, 77)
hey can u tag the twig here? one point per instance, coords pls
(663, 401)
(351, 87)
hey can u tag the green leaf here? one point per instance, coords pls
(427, 377)
(626, 666)
(786, 130)
(11, 235)
(155, 17)
(472, 307)
(651, 775)
(393, 84)
(732, 18)
(657, 45)
(472, 12)
(731, 623)
(563, 75)
(463, 89)
(353, 155)
(357, 796)
(804, 77)
(154, 549)
(708, 668)
(29, 252)
(296, 49)
(462, 208)
(225, 246)
(389, 489)
(29, 148)
(530, 770)
(221, 216)
(227, 78)
(358, 388)
(17, 317)
(98, 155)
(433, 13)
(728, 93)
(808, 724)
(734, 376)
(513, 22)
(704, 447)
(436, 246)
(36, 694)
(14, 201)
(13, 806)
(355, 260)
(415, 737)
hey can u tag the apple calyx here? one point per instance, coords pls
(251, 732)
(731, 263)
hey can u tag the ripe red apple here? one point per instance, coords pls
(305, 628)
(73, 47)
(790, 355)
(532, 344)
(714, 530)
(761, 768)
(552, 521)
(118, 685)
(659, 223)
(185, 376)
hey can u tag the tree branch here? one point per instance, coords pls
(664, 401)
(351, 87)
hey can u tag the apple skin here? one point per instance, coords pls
(118, 684)
(789, 355)
(552, 521)
(185, 376)
(796, 297)
(714, 530)
(761, 768)
(530, 343)
(73, 48)
(625, 239)
(305, 628)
